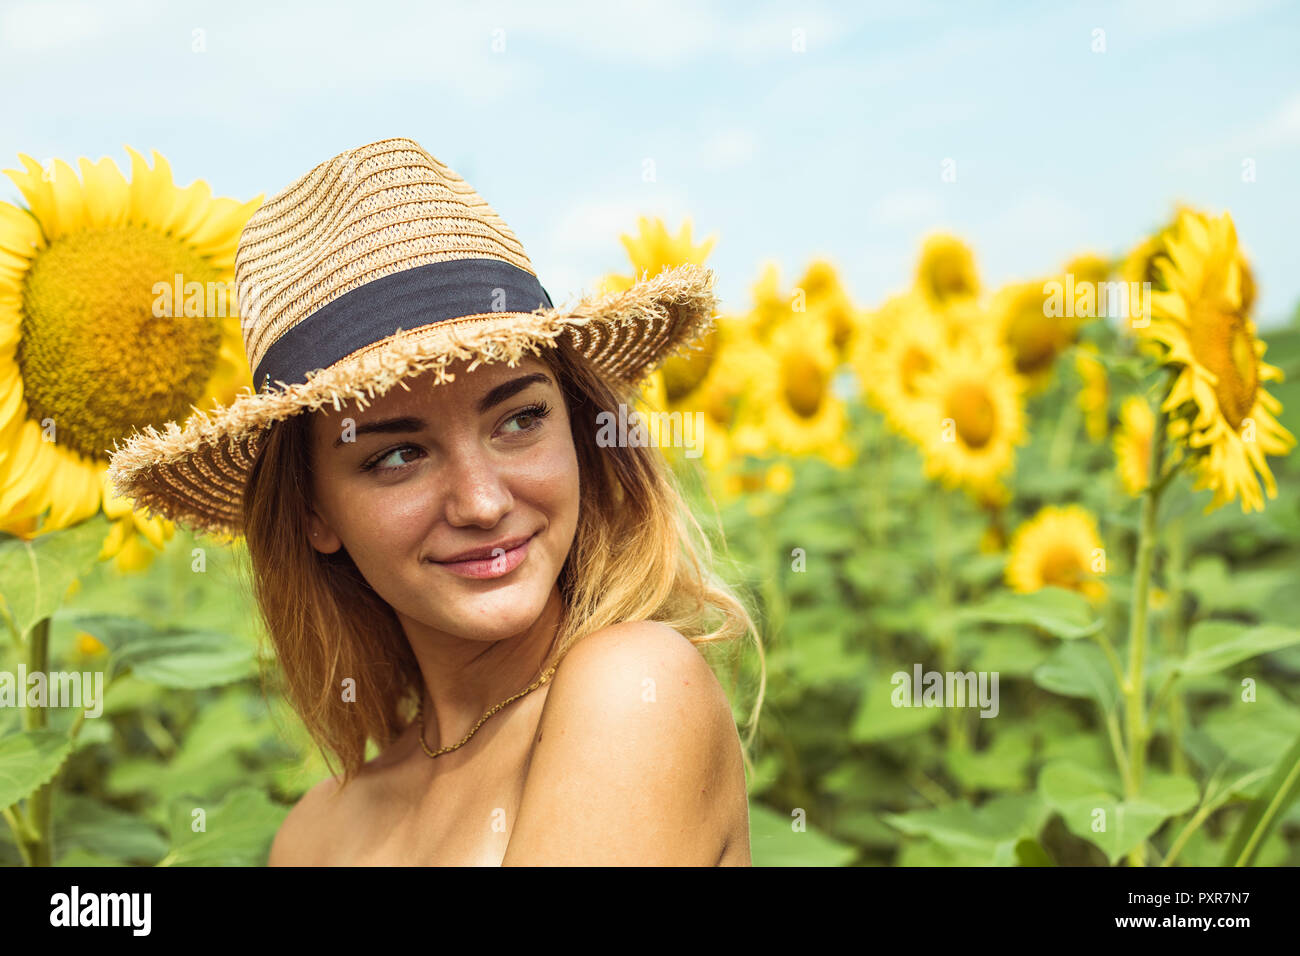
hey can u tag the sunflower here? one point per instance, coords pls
(652, 251)
(1088, 267)
(1218, 407)
(91, 349)
(732, 426)
(897, 348)
(772, 307)
(1035, 337)
(946, 270)
(969, 419)
(1058, 547)
(1093, 396)
(1133, 444)
(823, 290)
(803, 415)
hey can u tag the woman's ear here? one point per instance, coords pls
(320, 535)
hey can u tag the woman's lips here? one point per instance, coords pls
(493, 567)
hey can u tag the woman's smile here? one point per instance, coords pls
(499, 564)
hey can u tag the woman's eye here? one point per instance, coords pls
(531, 416)
(390, 461)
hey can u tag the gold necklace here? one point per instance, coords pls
(419, 714)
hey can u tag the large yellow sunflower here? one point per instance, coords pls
(970, 418)
(946, 270)
(803, 415)
(1058, 547)
(91, 348)
(1140, 265)
(1218, 406)
(1133, 444)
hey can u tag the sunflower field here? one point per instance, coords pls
(1023, 558)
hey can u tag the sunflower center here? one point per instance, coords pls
(93, 356)
(914, 364)
(948, 278)
(1035, 338)
(972, 411)
(1222, 343)
(683, 374)
(1062, 567)
(803, 383)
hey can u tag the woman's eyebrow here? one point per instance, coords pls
(407, 423)
(506, 389)
(410, 423)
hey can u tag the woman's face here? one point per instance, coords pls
(424, 476)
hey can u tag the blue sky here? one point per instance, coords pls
(835, 152)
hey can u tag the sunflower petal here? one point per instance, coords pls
(107, 193)
(33, 181)
(20, 233)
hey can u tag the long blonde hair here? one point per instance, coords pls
(638, 554)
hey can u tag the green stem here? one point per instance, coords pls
(1067, 428)
(955, 725)
(23, 835)
(1275, 807)
(40, 803)
(1104, 640)
(1117, 745)
(1172, 632)
(1134, 685)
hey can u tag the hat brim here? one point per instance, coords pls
(194, 474)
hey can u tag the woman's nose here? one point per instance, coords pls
(475, 490)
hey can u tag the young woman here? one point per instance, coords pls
(456, 570)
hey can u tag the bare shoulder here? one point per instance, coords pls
(642, 662)
(637, 759)
(298, 837)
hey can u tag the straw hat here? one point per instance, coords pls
(377, 265)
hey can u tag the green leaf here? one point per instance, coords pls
(114, 631)
(1218, 589)
(1031, 853)
(28, 760)
(988, 833)
(878, 719)
(1078, 793)
(1014, 652)
(774, 841)
(1257, 733)
(1001, 766)
(1079, 670)
(1061, 613)
(188, 659)
(84, 824)
(1264, 812)
(1214, 646)
(237, 832)
(38, 572)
